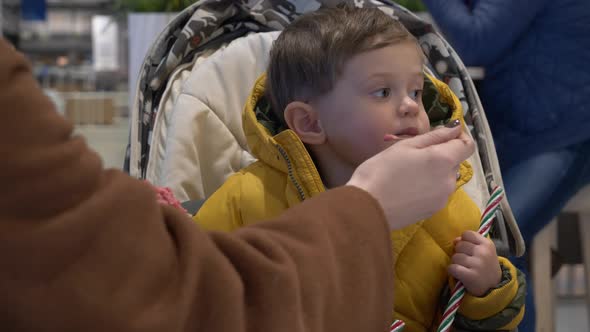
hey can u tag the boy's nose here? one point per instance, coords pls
(409, 107)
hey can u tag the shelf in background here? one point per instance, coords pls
(57, 45)
(64, 4)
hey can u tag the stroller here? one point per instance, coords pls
(186, 125)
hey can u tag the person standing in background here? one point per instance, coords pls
(535, 95)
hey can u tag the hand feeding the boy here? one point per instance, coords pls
(475, 261)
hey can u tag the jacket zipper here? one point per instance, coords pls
(290, 172)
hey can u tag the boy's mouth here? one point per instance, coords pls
(408, 132)
(402, 134)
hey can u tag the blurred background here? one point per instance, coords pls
(86, 56)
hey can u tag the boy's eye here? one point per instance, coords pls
(382, 93)
(416, 94)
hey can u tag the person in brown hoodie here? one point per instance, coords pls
(88, 249)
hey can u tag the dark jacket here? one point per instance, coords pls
(536, 54)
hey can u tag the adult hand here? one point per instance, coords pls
(414, 178)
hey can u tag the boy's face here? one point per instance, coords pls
(378, 94)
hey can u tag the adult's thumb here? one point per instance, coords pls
(437, 136)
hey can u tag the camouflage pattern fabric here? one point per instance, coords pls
(267, 117)
(438, 111)
(208, 24)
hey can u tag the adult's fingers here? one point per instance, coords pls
(465, 137)
(434, 137)
(453, 143)
(457, 150)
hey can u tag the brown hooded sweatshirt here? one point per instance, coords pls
(88, 249)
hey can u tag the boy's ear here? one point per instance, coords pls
(305, 122)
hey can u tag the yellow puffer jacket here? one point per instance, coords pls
(285, 174)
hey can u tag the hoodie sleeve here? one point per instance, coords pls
(88, 249)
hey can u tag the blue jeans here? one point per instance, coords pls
(537, 189)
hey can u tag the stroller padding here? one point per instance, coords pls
(204, 142)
